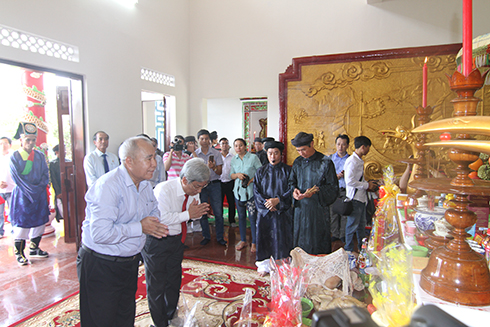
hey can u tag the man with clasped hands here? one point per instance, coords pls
(121, 210)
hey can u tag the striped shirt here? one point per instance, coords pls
(177, 164)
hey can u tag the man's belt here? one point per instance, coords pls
(109, 257)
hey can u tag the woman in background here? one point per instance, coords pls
(243, 168)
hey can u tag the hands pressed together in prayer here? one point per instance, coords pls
(152, 226)
(197, 210)
(297, 195)
(271, 204)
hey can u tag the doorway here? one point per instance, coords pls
(64, 125)
(158, 117)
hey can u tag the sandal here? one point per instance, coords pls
(253, 248)
(240, 245)
(263, 273)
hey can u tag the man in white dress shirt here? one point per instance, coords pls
(100, 161)
(356, 188)
(226, 182)
(6, 182)
(178, 202)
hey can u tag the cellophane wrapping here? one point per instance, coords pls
(288, 285)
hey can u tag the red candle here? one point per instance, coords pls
(424, 84)
(467, 36)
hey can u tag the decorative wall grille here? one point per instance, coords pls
(11, 37)
(157, 77)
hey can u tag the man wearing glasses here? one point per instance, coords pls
(178, 202)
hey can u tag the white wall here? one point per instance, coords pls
(225, 116)
(216, 48)
(114, 43)
(239, 48)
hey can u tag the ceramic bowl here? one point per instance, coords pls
(419, 251)
(424, 218)
(306, 306)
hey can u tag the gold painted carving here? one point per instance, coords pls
(365, 98)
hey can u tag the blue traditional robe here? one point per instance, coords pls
(311, 222)
(29, 197)
(274, 228)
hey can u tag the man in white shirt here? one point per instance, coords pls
(100, 161)
(356, 188)
(226, 182)
(178, 202)
(6, 182)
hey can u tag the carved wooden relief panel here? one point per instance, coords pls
(365, 94)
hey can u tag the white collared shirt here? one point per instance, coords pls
(170, 196)
(225, 171)
(353, 170)
(5, 175)
(93, 164)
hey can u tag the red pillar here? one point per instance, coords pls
(33, 87)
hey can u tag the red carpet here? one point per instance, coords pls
(216, 289)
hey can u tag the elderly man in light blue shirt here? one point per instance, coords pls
(121, 210)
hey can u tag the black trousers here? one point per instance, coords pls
(107, 290)
(227, 189)
(163, 264)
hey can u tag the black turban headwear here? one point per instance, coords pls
(302, 139)
(274, 145)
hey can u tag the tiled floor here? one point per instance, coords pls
(26, 290)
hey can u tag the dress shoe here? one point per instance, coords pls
(205, 241)
(222, 242)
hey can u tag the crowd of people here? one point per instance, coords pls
(141, 203)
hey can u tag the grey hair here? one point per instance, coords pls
(195, 170)
(129, 147)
